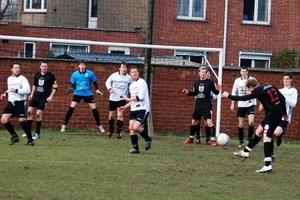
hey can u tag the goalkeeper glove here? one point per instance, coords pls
(70, 90)
(99, 92)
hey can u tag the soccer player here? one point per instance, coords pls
(139, 104)
(244, 107)
(203, 106)
(43, 90)
(18, 89)
(291, 96)
(117, 84)
(81, 86)
(274, 104)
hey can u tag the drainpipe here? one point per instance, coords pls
(225, 32)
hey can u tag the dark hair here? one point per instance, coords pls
(123, 63)
(289, 74)
(244, 67)
(81, 61)
(43, 61)
(15, 63)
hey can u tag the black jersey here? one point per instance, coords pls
(43, 84)
(202, 92)
(269, 96)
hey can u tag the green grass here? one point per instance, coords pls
(87, 165)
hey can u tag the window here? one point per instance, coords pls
(119, 50)
(191, 9)
(59, 49)
(35, 5)
(193, 56)
(29, 50)
(258, 59)
(256, 11)
(93, 12)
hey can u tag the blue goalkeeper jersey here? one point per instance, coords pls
(82, 81)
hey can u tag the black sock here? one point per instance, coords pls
(252, 143)
(134, 141)
(267, 150)
(68, 115)
(207, 132)
(250, 132)
(272, 147)
(145, 135)
(241, 135)
(111, 125)
(38, 127)
(96, 116)
(9, 127)
(30, 124)
(192, 131)
(26, 129)
(212, 131)
(119, 126)
(197, 130)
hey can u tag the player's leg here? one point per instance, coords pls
(69, 114)
(241, 132)
(112, 106)
(197, 131)
(120, 119)
(9, 127)
(212, 132)
(90, 100)
(30, 115)
(250, 112)
(191, 137)
(133, 136)
(26, 128)
(137, 126)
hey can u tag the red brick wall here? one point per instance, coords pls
(171, 109)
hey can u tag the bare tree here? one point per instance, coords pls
(8, 9)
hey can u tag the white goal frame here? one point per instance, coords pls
(148, 46)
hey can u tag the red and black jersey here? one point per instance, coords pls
(270, 97)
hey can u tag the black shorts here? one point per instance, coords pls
(87, 99)
(139, 115)
(241, 112)
(113, 105)
(283, 124)
(273, 122)
(17, 109)
(40, 105)
(201, 112)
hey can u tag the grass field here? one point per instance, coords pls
(87, 165)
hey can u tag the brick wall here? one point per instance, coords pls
(171, 109)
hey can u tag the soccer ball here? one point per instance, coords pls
(223, 139)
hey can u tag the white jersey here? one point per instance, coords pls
(139, 89)
(120, 84)
(21, 84)
(239, 89)
(291, 97)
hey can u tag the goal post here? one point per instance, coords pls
(142, 46)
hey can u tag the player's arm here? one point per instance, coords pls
(108, 83)
(25, 87)
(252, 95)
(292, 101)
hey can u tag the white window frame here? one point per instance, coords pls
(190, 9)
(187, 55)
(255, 14)
(33, 49)
(255, 55)
(125, 49)
(68, 47)
(92, 20)
(30, 9)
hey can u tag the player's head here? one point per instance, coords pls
(208, 74)
(43, 66)
(81, 66)
(134, 73)
(15, 69)
(287, 78)
(123, 68)
(202, 72)
(244, 71)
(251, 84)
